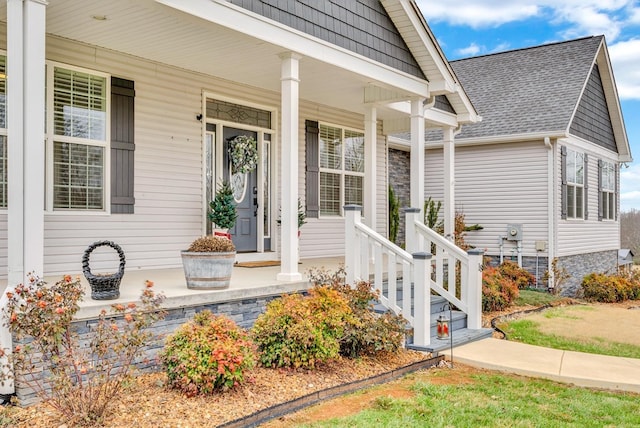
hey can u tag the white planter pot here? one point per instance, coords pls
(207, 271)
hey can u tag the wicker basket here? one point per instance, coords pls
(103, 287)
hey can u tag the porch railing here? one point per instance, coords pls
(370, 256)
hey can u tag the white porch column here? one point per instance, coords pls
(289, 216)
(370, 143)
(449, 182)
(25, 113)
(417, 160)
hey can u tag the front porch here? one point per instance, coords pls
(246, 283)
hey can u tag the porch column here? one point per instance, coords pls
(370, 143)
(25, 113)
(417, 160)
(289, 181)
(449, 182)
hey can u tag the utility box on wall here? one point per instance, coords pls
(514, 232)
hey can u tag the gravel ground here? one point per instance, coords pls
(150, 404)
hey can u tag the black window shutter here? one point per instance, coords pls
(122, 145)
(586, 187)
(312, 142)
(563, 176)
(600, 201)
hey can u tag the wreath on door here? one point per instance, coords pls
(243, 152)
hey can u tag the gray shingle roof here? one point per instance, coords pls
(527, 90)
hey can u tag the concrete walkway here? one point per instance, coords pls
(578, 368)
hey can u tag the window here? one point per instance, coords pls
(77, 124)
(608, 191)
(575, 184)
(341, 168)
(3, 132)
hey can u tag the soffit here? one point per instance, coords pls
(152, 31)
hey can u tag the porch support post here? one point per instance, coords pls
(370, 140)
(289, 103)
(417, 159)
(25, 113)
(449, 182)
(352, 243)
(422, 301)
(474, 293)
(411, 234)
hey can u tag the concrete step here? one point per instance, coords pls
(458, 337)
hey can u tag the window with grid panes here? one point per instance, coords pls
(341, 169)
(608, 192)
(79, 127)
(575, 184)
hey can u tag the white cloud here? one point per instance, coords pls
(585, 17)
(476, 14)
(630, 187)
(626, 68)
(501, 47)
(472, 50)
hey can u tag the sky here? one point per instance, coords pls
(467, 28)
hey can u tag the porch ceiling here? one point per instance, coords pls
(149, 30)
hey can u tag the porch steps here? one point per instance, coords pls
(457, 325)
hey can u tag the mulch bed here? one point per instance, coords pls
(150, 404)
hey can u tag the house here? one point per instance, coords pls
(540, 173)
(625, 260)
(137, 102)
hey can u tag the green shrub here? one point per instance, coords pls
(498, 291)
(299, 331)
(366, 332)
(520, 276)
(207, 354)
(394, 215)
(599, 287)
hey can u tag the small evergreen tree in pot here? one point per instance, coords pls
(208, 263)
(222, 210)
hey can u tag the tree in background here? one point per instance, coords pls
(630, 231)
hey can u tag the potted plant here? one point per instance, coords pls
(208, 263)
(222, 210)
(209, 260)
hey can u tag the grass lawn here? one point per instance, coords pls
(573, 328)
(492, 400)
(535, 298)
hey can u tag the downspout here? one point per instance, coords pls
(551, 206)
(429, 102)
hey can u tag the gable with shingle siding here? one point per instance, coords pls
(529, 90)
(361, 26)
(592, 120)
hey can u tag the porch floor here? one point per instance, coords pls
(246, 283)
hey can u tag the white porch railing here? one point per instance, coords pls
(370, 256)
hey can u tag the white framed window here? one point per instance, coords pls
(608, 191)
(77, 138)
(575, 184)
(341, 168)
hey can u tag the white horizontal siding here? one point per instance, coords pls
(497, 185)
(324, 237)
(590, 235)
